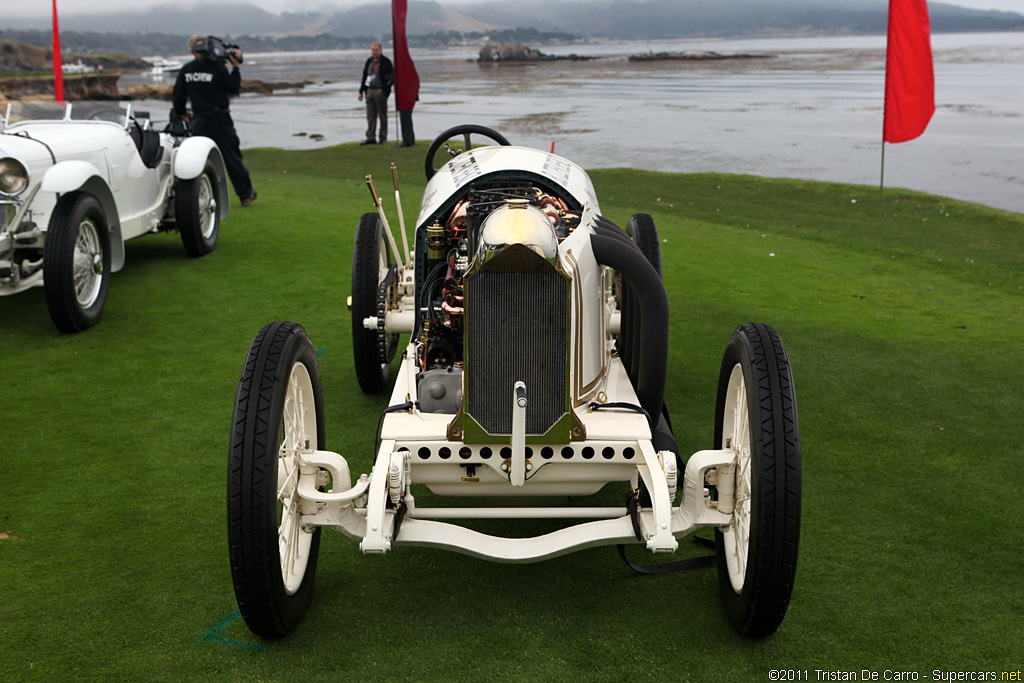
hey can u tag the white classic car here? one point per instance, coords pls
(533, 379)
(76, 181)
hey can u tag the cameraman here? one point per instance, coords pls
(206, 82)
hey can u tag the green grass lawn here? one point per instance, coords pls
(904, 321)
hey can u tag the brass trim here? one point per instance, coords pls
(580, 392)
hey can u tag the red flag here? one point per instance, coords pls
(58, 67)
(909, 78)
(407, 81)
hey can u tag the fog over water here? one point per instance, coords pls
(811, 110)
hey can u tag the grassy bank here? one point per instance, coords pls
(903, 320)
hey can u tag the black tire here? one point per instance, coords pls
(645, 236)
(280, 366)
(196, 214)
(76, 262)
(756, 576)
(465, 131)
(372, 264)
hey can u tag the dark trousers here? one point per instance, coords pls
(221, 129)
(376, 108)
(405, 118)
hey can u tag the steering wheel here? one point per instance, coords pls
(466, 131)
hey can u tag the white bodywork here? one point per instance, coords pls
(483, 161)
(98, 157)
(535, 478)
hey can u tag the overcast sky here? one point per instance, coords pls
(42, 7)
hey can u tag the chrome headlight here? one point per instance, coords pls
(13, 177)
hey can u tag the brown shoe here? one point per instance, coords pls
(250, 199)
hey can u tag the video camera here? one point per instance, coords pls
(211, 47)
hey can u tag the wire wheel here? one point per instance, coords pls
(76, 262)
(207, 207)
(88, 264)
(195, 211)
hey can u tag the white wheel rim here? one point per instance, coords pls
(298, 425)
(87, 264)
(736, 437)
(207, 207)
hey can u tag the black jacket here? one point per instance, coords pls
(387, 75)
(208, 84)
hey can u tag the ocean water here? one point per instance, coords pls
(811, 109)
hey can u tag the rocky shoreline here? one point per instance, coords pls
(692, 55)
(96, 86)
(497, 53)
(163, 91)
(494, 53)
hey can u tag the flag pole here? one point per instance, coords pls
(58, 69)
(909, 75)
(881, 180)
(398, 123)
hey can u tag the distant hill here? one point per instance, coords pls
(624, 19)
(639, 20)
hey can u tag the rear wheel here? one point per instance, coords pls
(76, 262)
(645, 236)
(374, 287)
(756, 418)
(195, 211)
(278, 414)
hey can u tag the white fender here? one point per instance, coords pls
(190, 159)
(68, 176)
(81, 176)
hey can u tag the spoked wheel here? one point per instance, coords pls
(756, 418)
(195, 210)
(278, 413)
(466, 133)
(76, 262)
(374, 291)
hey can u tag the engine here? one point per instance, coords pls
(494, 306)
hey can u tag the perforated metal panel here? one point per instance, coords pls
(517, 316)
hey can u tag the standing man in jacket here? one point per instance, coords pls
(378, 77)
(205, 82)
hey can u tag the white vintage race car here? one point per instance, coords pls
(77, 181)
(534, 377)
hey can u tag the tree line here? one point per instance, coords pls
(146, 44)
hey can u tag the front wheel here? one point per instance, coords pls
(195, 211)
(756, 418)
(278, 413)
(76, 262)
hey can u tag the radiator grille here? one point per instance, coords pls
(516, 317)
